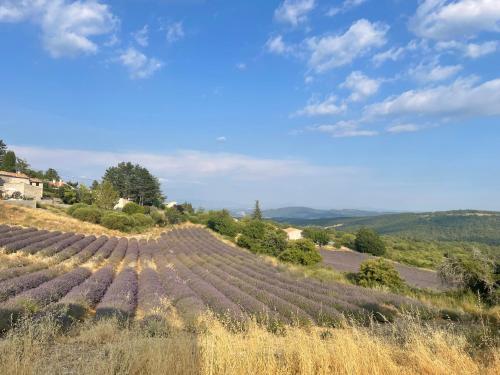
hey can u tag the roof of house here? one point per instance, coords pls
(13, 174)
(35, 179)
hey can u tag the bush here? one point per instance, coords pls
(133, 208)
(143, 221)
(476, 273)
(320, 237)
(158, 218)
(368, 241)
(254, 229)
(379, 272)
(245, 242)
(75, 207)
(301, 252)
(174, 216)
(222, 222)
(89, 214)
(118, 221)
(274, 242)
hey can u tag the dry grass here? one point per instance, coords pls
(105, 348)
(57, 220)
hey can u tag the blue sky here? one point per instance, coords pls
(385, 104)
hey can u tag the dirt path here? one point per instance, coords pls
(349, 261)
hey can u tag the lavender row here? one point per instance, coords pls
(35, 299)
(30, 240)
(19, 284)
(33, 248)
(216, 300)
(187, 303)
(20, 235)
(120, 299)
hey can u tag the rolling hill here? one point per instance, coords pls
(465, 225)
(306, 213)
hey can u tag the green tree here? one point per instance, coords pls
(68, 194)
(368, 241)
(320, 237)
(136, 183)
(23, 166)
(105, 196)
(257, 212)
(3, 150)
(52, 175)
(84, 194)
(95, 185)
(9, 161)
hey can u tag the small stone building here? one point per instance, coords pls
(12, 182)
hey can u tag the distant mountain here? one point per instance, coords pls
(464, 225)
(306, 213)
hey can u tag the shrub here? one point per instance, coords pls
(174, 216)
(368, 241)
(320, 237)
(254, 229)
(245, 242)
(158, 218)
(133, 208)
(118, 221)
(222, 222)
(75, 207)
(274, 242)
(301, 252)
(89, 214)
(476, 273)
(379, 272)
(142, 220)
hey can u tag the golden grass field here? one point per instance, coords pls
(209, 348)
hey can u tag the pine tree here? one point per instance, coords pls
(9, 161)
(257, 213)
(3, 150)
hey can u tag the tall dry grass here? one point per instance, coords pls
(209, 348)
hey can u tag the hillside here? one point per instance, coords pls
(306, 213)
(467, 225)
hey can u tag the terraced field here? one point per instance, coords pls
(185, 272)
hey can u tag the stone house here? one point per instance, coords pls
(12, 182)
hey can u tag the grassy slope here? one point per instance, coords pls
(56, 219)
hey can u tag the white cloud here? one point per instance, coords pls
(294, 12)
(221, 139)
(461, 98)
(326, 107)
(361, 86)
(68, 28)
(277, 46)
(175, 32)
(139, 65)
(343, 129)
(346, 5)
(471, 50)
(336, 50)
(403, 128)
(241, 66)
(448, 20)
(433, 72)
(142, 36)
(393, 54)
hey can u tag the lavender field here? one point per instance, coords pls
(185, 272)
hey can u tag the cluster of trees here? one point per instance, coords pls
(10, 162)
(263, 237)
